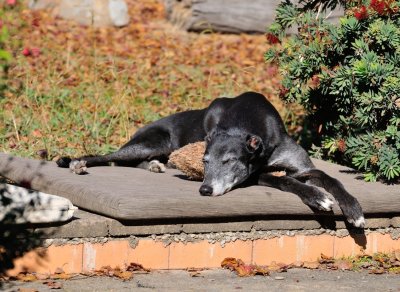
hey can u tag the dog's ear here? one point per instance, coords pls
(209, 136)
(253, 143)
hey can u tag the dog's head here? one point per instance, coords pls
(229, 159)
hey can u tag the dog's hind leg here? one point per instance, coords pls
(298, 165)
(144, 150)
(310, 195)
(349, 205)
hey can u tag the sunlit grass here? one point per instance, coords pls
(91, 89)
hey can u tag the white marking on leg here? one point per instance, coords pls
(360, 222)
(78, 166)
(156, 166)
(326, 204)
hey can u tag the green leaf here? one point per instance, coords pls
(5, 55)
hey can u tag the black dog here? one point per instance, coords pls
(245, 137)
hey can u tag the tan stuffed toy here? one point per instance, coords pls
(189, 160)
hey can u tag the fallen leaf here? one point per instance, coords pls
(58, 271)
(244, 271)
(278, 267)
(88, 273)
(311, 265)
(37, 133)
(397, 254)
(53, 285)
(26, 277)
(343, 265)
(195, 274)
(231, 263)
(377, 271)
(42, 276)
(27, 290)
(136, 267)
(261, 270)
(124, 275)
(60, 276)
(381, 258)
(326, 259)
(297, 264)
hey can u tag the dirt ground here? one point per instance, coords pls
(224, 280)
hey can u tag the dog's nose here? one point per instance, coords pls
(206, 190)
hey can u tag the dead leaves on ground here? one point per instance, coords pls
(377, 264)
(123, 274)
(242, 269)
(50, 280)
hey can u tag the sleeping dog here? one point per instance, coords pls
(245, 137)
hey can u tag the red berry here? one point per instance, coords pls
(11, 2)
(272, 39)
(26, 52)
(362, 13)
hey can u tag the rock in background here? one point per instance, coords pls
(232, 16)
(98, 13)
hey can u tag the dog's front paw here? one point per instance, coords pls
(78, 166)
(353, 213)
(325, 204)
(360, 222)
(156, 166)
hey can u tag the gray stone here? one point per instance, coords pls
(286, 224)
(99, 13)
(374, 223)
(83, 224)
(395, 221)
(116, 228)
(118, 11)
(217, 227)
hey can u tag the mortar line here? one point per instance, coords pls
(252, 251)
(333, 246)
(83, 250)
(169, 253)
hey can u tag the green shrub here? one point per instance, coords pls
(347, 77)
(5, 55)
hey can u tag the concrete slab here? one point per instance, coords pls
(89, 225)
(224, 280)
(83, 224)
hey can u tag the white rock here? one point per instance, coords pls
(28, 206)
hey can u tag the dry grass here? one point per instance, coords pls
(90, 89)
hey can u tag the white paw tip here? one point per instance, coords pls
(326, 204)
(78, 166)
(360, 222)
(156, 166)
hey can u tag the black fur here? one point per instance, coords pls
(244, 135)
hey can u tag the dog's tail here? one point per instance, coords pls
(100, 160)
(64, 162)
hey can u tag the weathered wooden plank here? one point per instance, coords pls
(231, 16)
